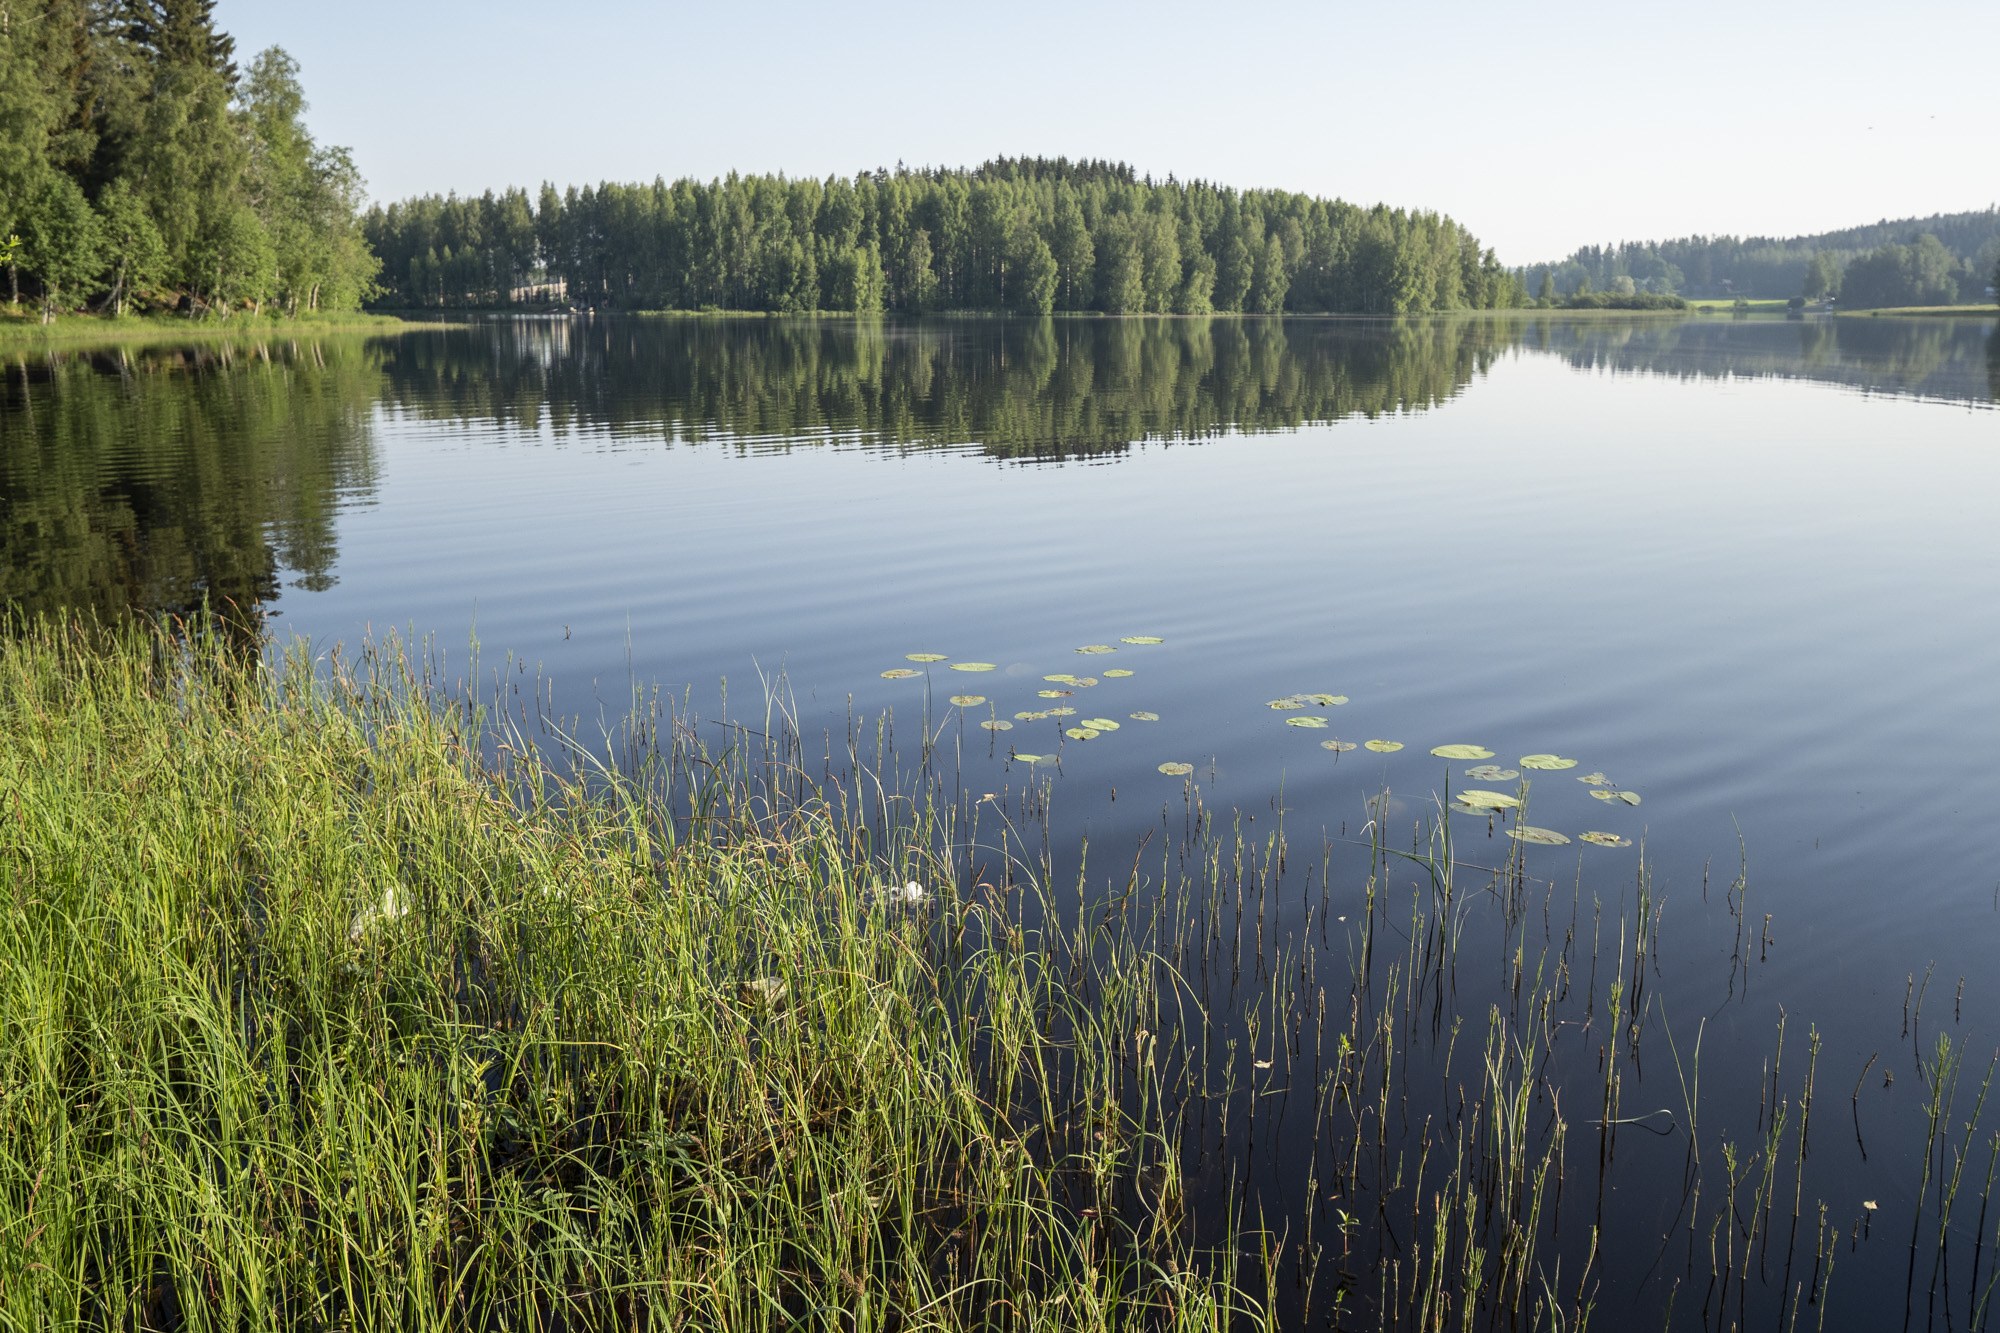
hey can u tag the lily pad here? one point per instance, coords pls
(1062, 712)
(1325, 700)
(1461, 808)
(1029, 717)
(1461, 752)
(1595, 779)
(1080, 733)
(1027, 759)
(1118, 673)
(1543, 837)
(1145, 717)
(899, 673)
(1141, 638)
(1489, 800)
(1100, 723)
(924, 657)
(1177, 770)
(1338, 747)
(1546, 761)
(1097, 648)
(1084, 682)
(1629, 797)
(1605, 795)
(1305, 722)
(1054, 694)
(1286, 704)
(1382, 747)
(995, 724)
(1061, 678)
(1491, 773)
(968, 700)
(973, 666)
(1605, 839)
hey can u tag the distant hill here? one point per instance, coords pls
(1766, 266)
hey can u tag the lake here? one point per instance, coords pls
(1744, 568)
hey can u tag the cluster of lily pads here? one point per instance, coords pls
(1471, 801)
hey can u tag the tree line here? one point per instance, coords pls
(1025, 235)
(139, 166)
(1936, 260)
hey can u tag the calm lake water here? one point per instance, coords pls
(1747, 568)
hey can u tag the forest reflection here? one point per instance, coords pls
(162, 478)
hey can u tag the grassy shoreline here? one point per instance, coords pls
(24, 327)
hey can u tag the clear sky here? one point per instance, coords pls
(1542, 127)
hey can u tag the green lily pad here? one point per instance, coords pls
(1338, 747)
(1177, 770)
(1100, 723)
(1286, 704)
(1062, 712)
(973, 666)
(1145, 717)
(1084, 682)
(1606, 839)
(1382, 747)
(1325, 700)
(1029, 717)
(968, 700)
(1118, 673)
(1080, 733)
(1061, 678)
(1629, 797)
(1097, 648)
(899, 673)
(1546, 761)
(1491, 773)
(924, 657)
(1543, 837)
(1461, 808)
(1305, 722)
(1141, 638)
(1027, 759)
(1595, 779)
(1605, 795)
(1054, 694)
(995, 724)
(1461, 752)
(1489, 800)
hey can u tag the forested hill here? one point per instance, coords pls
(1764, 266)
(139, 164)
(1029, 235)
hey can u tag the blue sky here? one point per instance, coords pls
(1542, 127)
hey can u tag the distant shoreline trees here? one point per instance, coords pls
(140, 166)
(1032, 236)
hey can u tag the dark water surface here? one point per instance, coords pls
(1747, 568)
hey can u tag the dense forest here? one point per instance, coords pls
(1027, 235)
(140, 166)
(1898, 265)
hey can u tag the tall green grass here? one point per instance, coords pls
(314, 1018)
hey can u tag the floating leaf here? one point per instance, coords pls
(1325, 700)
(1145, 717)
(1461, 752)
(899, 673)
(1054, 694)
(1489, 800)
(995, 724)
(1080, 734)
(1491, 773)
(1141, 638)
(1029, 717)
(1546, 761)
(924, 657)
(1305, 722)
(1461, 808)
(1062, 712)
(968, 700)
(1100, 723)
(1629, 797)
(973, 666)
(1595, 779)
(1177, 770)
(1545, 837)
(1097, 648)
(1338, 747)
(1383, 747)
(1606, 839)
(1605, 795)
(1286, 704)
(1034, 759)
(1061, 678)
(1117, 673)
(1084, 682)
